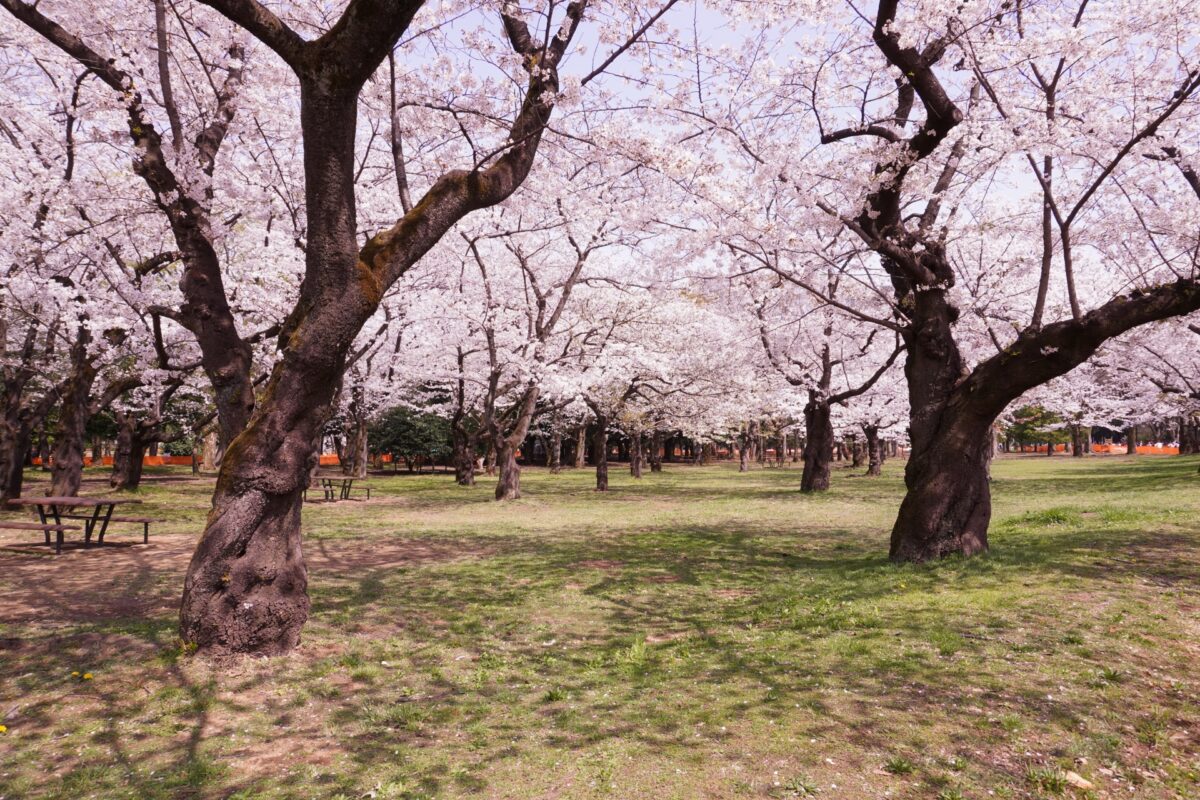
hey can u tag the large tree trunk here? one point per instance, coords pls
(1131, 440)
(818, 446)
(743, 451)
(554, 456)
(874, 451)
(508, 487)
(600, 453)
(948, 504)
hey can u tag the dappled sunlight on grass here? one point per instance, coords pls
(698, 633)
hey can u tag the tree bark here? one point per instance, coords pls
(874, 451)
(464, 457)
(656, 451)
(15, 441)
(67, 468)
(213, 451)
(600, 452)
(635, 454)
(508, 487)
(555, 454)
(818, 445)
(743, 451)
(581, 447)
(129, 455)
(1131, 440)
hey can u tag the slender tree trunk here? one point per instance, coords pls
(74, 411)
(656, 451)
(600, 452)
(743, 451)
(635, 455)
(581, 447)
(556, 445)
(818, 446)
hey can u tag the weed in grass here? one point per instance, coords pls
(1048, 780)
(800, 786)
(898, 765)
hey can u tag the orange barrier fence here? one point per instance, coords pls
(1143, 449)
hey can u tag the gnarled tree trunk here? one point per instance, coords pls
(818, 445)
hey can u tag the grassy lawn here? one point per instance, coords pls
(696, 634)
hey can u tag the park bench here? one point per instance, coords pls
(46, 529)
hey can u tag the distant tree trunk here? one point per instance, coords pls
(874, 451)
(1131, 440)
(73, 414)
(656, 451)
(635, 454)
(212, 451)
(130, 454)
(857, 452)
(555, 454)
(581, 447)
(464, 457)
(751, 440)
(743, 451)
(818, 445)
(600, 452)
(1076, 441)
(489, 460)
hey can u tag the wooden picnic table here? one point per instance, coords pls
(53, 508)
(338, 487)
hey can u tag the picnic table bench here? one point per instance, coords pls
(46, 529)
(52, 510)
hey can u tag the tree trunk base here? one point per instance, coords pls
(246, 589)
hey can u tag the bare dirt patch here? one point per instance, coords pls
(121, 580)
